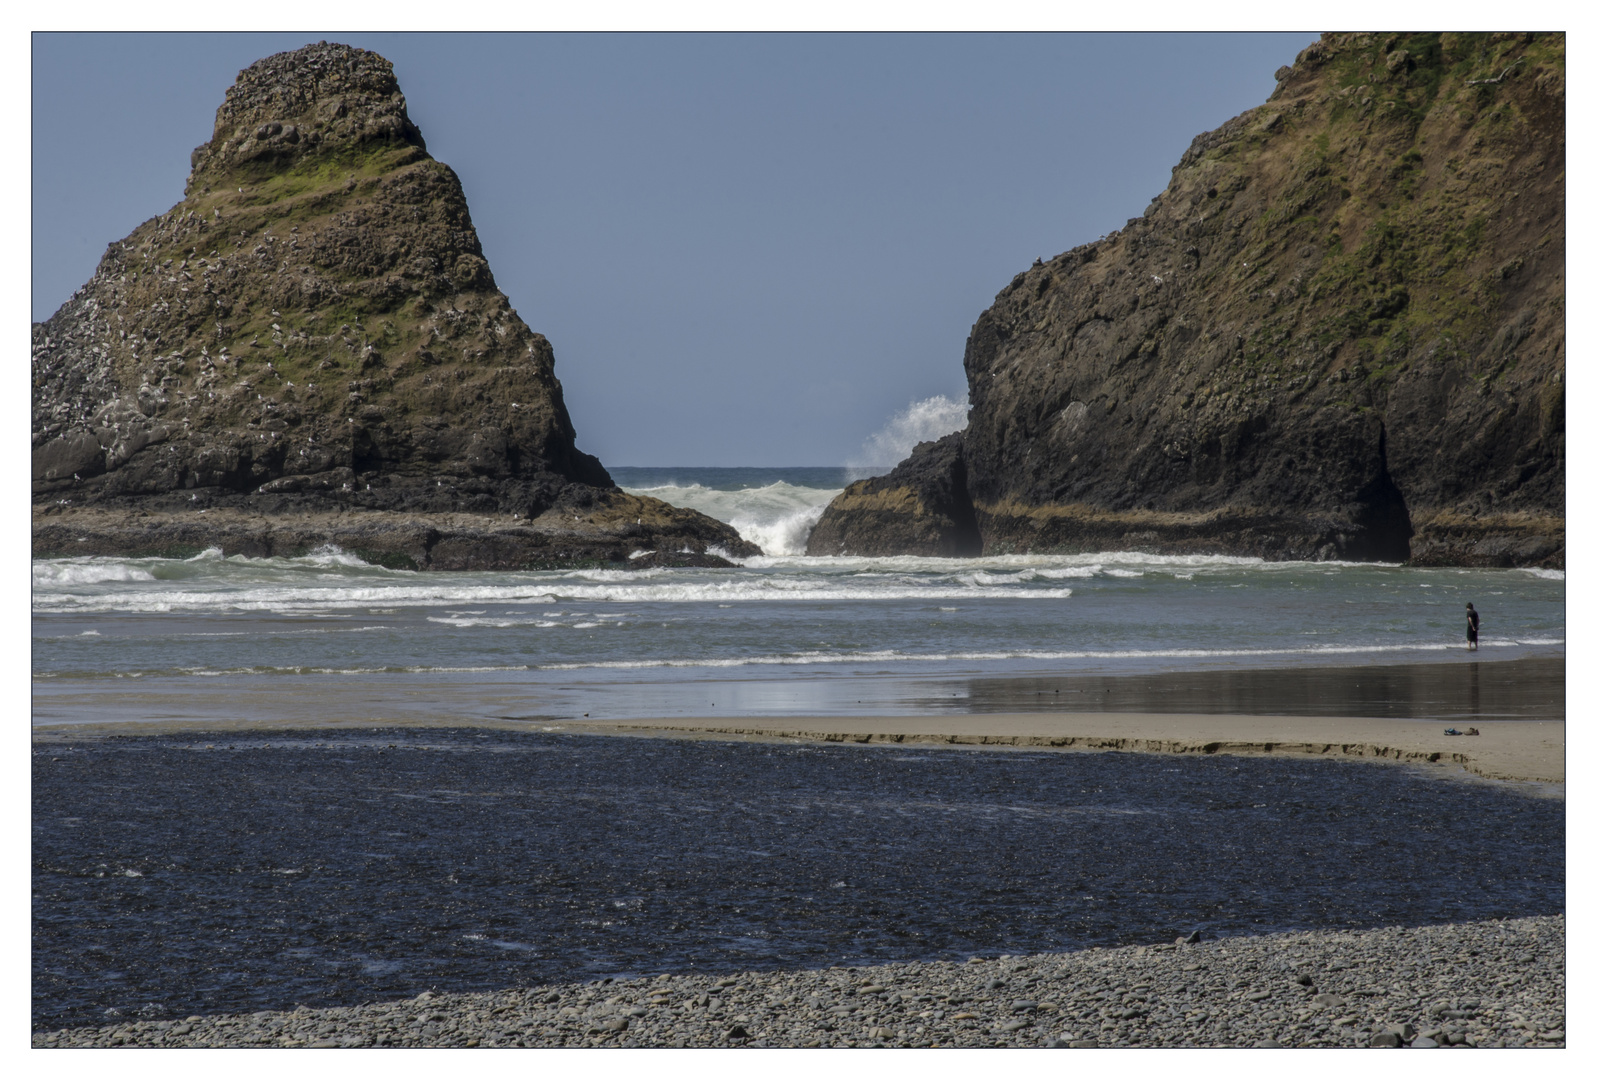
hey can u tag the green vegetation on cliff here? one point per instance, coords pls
(314, 329)
(1337, 333)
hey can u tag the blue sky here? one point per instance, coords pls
(745, 249)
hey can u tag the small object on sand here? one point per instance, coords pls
(1451, 731)
(1473, 731)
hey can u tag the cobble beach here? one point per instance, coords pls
(1484, 984)
(321, 878)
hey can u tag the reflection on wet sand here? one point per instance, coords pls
(1530, 689)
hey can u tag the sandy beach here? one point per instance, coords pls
(1530, 751)
(306, 769)
(1525, 750)
(1394, 713)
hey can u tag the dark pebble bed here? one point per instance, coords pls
(232, 873)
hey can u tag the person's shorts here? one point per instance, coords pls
(1472, 635)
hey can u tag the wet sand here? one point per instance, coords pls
(1521, 750)
(1461, 688)
(1393, 713)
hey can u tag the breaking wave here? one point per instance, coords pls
(924, 421)
(639, 587)
(778, 516)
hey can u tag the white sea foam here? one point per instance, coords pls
(334, 585)
(923, 421)
(209, 566)
(86, 571)
(1550, 575)
(1048, 566)
(428, 590)
(882, 656)
(501, 624)
(811, 658)
(778, 517)
(304, 669)
(297, 669)
(1031, 573)
(278, 632)
(328, 556)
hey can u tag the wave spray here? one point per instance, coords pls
(923, 421)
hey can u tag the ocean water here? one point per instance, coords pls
(774, 508)
(328, 636)
(236, 870)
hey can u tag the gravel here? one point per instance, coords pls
(1479, 984)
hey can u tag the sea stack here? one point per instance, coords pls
(311, 348)
(1337, 334)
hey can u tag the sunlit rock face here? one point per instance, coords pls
(313, 328)
(1338, 332)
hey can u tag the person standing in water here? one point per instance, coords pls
(1472, 628)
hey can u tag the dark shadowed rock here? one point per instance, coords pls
(1338, 332)
(314, 329)
(655, 559)
(920, 508)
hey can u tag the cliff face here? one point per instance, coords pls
(1338, 333)
(312, 329)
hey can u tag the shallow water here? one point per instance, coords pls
(777, 636)
(781, 634)
(174, 876)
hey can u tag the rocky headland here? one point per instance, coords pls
(1337, 333)
(310, 348)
